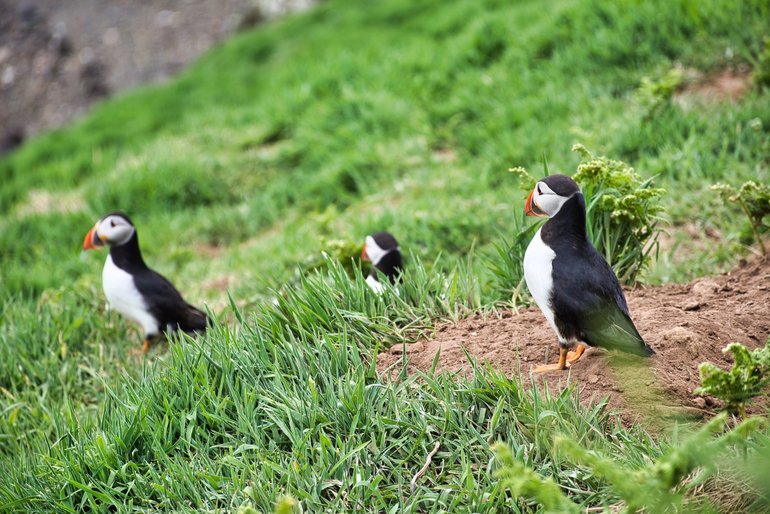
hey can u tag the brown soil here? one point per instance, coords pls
(685, 324)
(725, 85)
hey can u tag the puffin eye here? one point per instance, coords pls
(112, 223)
(538, 190)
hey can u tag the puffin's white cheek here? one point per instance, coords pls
(550, 204)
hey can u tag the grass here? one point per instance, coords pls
(288, 402)
(302, 136)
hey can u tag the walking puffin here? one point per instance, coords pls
(382, 250)
(570, 281)
(134, 290)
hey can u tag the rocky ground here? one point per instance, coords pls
(686, 324)
(59, 57)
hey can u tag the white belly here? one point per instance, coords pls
(121, 292)
(374, 284)
(538, 264)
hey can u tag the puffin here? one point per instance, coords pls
(136, 291)
(381, 249)
(571, 282)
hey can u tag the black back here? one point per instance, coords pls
(389, 265)
(163, 300)
(385, 240)
(587, 300)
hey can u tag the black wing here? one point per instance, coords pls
(167, 305)
(590, 302)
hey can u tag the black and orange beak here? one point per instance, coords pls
(531, 208)
(92, 240)
(364, 255)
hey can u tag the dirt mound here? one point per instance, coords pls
(685, 324)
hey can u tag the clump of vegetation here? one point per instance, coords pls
(657, 487)
(507, 262)
(762, 70)
(746, 380)
(624, 212)
(754, 200)
(347, 253)
(656, 94)
(286, 504)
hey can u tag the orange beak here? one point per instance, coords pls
(92, 241)
(364, 255)
(531, 208)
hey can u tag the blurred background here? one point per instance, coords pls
(57, 58)
(245, 137)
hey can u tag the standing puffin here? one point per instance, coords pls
(134, 290)
(570, 281)
(385, 255)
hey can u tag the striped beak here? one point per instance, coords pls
(531, 208)
(364, 255)
(92, 240)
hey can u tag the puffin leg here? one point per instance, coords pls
(146, 345)
(562, 364)
(573, 357)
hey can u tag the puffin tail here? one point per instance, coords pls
(643, 350)
(196, 321)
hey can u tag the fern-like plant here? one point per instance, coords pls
(746, 380)
(754, 201)
(655, 94)
(656, 487)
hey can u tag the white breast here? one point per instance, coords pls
(124, 297)
(538, 264)
(374, 284)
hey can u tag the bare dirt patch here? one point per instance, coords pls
(686, 324)
(725, 85)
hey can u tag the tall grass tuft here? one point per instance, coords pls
(507, 262)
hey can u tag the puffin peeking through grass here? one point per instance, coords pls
(382, 250)
(134, 290)
(570, 281)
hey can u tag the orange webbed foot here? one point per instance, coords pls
(562, 364)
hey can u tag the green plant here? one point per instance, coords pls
(762, 69)
(656, 94)
(658, 486)
(754, 200)
(523, 481)
(347, 253)
(623, 211)
(507, 263)
(746, 380)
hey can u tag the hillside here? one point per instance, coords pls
(291, 142)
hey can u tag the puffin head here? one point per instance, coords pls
(549, 195)
(377, 246)
(113, 229)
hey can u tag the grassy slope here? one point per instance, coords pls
(353, 117)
